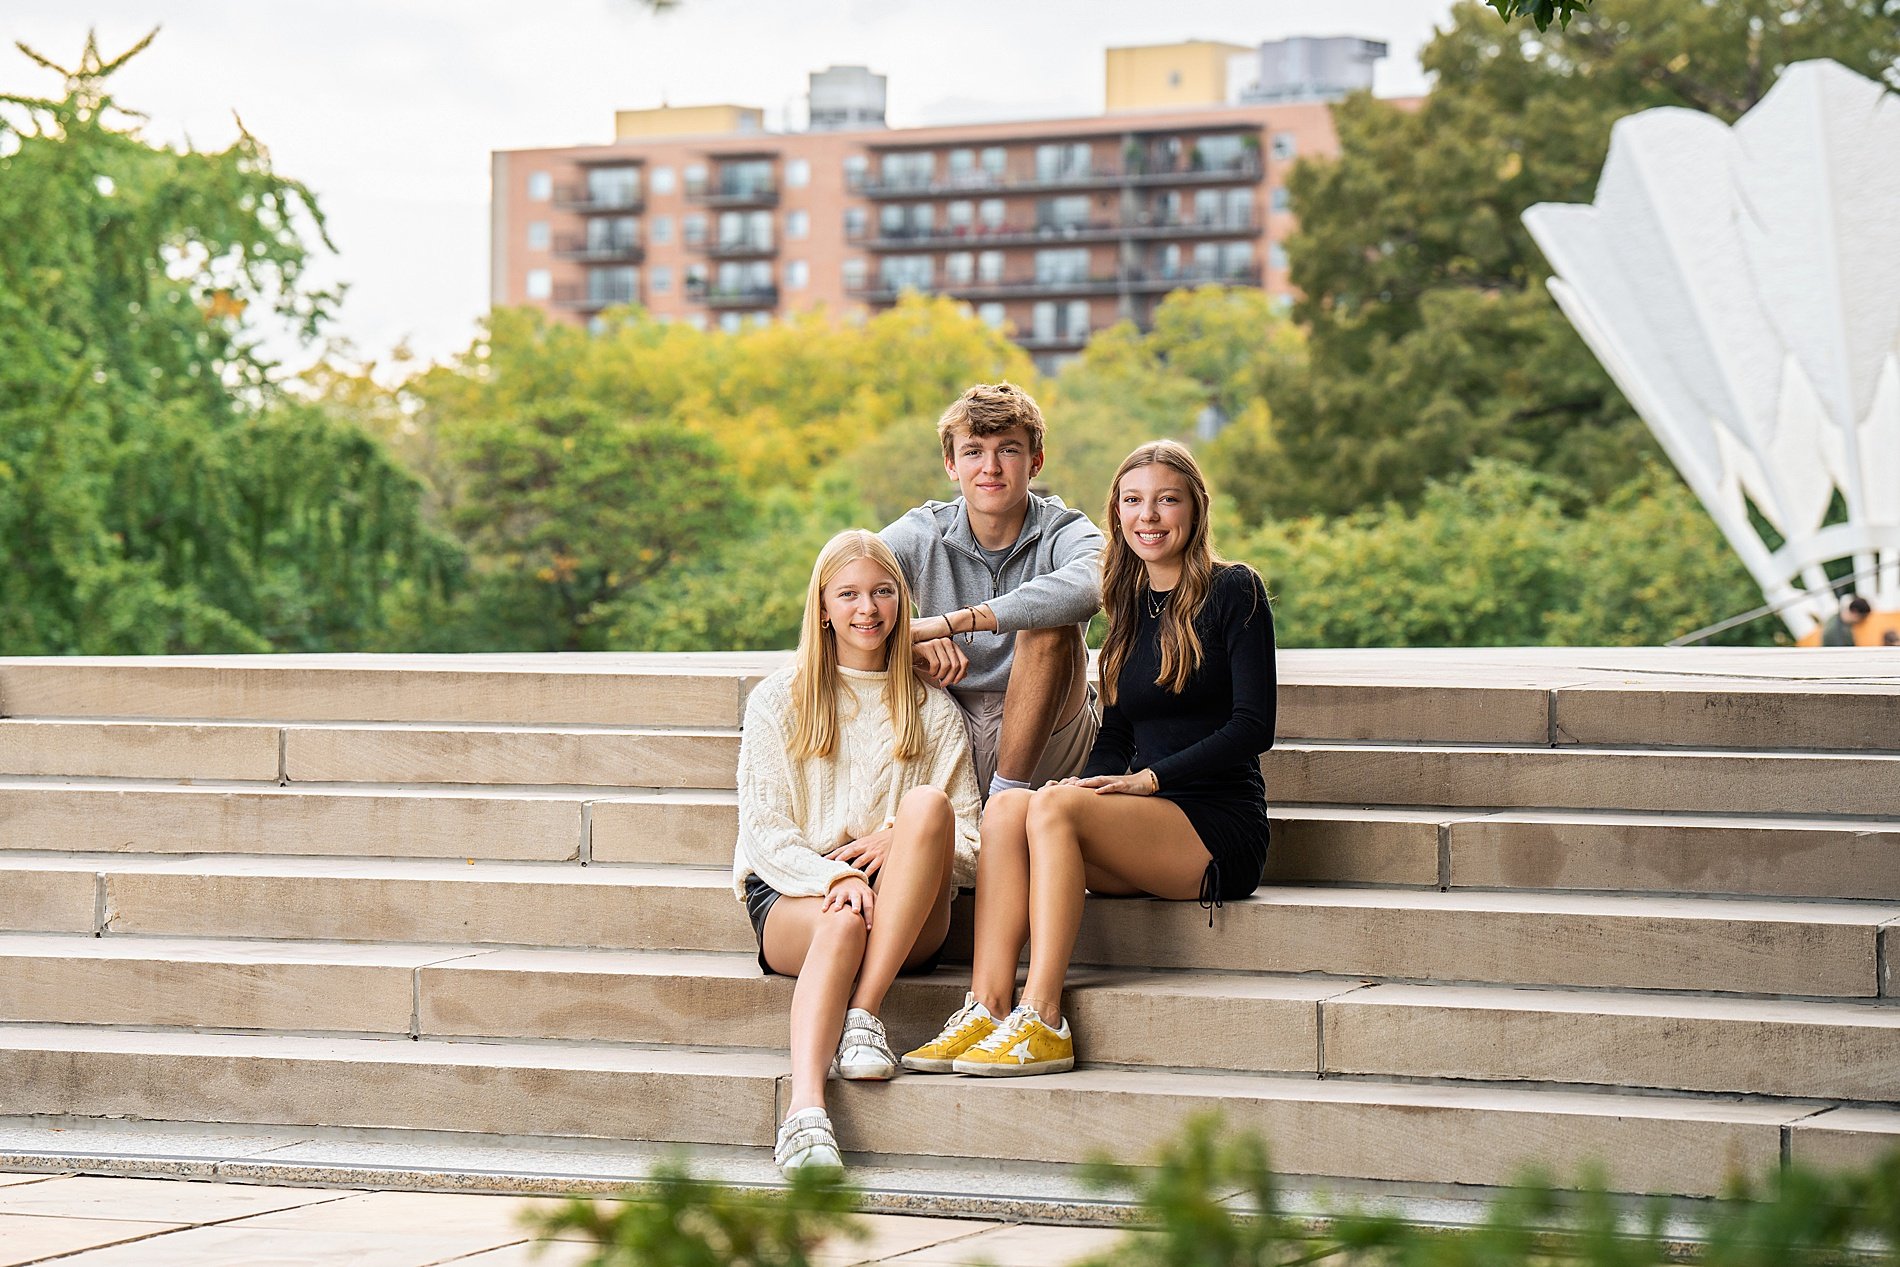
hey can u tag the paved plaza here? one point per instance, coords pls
(87, 1221)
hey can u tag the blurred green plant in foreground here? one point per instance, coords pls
(1210, 1199)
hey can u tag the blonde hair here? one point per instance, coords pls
(989, 408)
(815, 675)
(1124, 577)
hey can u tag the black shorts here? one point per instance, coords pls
(759, 897)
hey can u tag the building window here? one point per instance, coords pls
(693, 230)
(1237, 207)
(1077, 319)
(912, 170)
(995, 161)
(540, 283)
(1063, 161)
(992, 315)
(989, 214)
(696, 281)
(695, 179)
(760, 320)
(1055, 214)
(537, 235)
(1071, 264)
(798, 225)
(959, 268)
(855, 166)
(661, 229)
(854, 274)
(960, 217)
(730, 323)
(540, 186)
(915, 272)
(660, 279)
(797, 274)
(1276, 257)
(1223, 153)
(1279, 199)
(989, 266)
(610, 235)
(854, 223)
(1207, 207)
(1283, 146)
(613, 186)
(797, 173)
(746, 230)
(1236, 261)
(609, 286)
(661, 179)
(697, 320)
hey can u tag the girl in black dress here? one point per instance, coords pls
(1171, 804)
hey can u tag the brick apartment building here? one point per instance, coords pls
(1057, 228)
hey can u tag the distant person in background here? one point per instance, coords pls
(857, 820)
(1891, 638)
(1839, 632)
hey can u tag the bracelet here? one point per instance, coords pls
(1154, 781)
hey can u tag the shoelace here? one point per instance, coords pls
(1007, 1034)
(958, 1021)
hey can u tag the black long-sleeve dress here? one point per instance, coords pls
(1204, 744)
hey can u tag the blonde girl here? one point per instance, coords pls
(857, 821)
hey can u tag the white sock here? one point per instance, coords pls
(1000, 784)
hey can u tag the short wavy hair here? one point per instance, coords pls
(988, 408)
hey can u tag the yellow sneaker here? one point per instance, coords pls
(1021, 1045)
(970, 1025)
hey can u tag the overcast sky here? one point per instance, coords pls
(389, 108)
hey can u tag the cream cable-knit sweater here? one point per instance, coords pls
(793, 812)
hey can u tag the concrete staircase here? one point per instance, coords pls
(1640, 907)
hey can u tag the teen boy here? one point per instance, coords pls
(1005, 583)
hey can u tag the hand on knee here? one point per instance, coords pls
(839, 932)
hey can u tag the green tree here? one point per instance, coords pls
(158, 492)
(1492, 559)
(1433, 340)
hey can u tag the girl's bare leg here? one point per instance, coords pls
(823, 949)
(912, 912)
(1002, 901)
(1077, 837)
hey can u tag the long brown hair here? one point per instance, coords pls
(815, 677)
(1125, 577)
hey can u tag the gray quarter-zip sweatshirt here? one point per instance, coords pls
(1052, 576)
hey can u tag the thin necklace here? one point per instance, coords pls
(1156, 601)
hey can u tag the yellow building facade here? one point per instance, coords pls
(665, 121)
(1170, 76)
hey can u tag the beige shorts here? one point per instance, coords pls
(1066, 754)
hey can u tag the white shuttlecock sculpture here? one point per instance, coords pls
(1742, 286)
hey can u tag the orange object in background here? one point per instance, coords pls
(1867, 633)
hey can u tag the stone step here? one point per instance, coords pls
(1569, 778)
(1625, 942)
(1208, 1021)
(1739, 1046)
(601, 690)
(1345, 1129)
(1684, 697)
(381, 754)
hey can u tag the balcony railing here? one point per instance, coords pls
(1140, 174)
(739, 248)
(737, 194)
(612, 252)
(594, 298)
(735, 296)
(1133, 281)
(977, 237)
(580, 198)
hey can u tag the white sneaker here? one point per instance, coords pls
(864, 1053)
(806, 1141)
